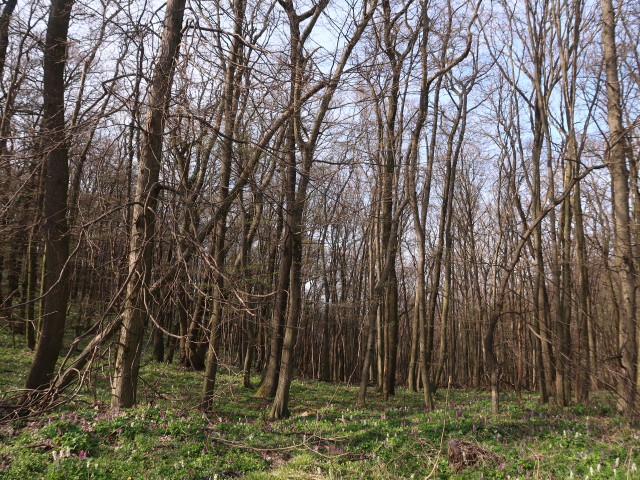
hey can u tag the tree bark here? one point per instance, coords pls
(623, 255)
(307, 148)
(5, 19)
(55, 228)
(138, 298)
(230, 112)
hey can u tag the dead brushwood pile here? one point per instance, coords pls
(463, 454)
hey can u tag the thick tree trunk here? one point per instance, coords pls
(54, 140)
(5, 19)
(623, 260)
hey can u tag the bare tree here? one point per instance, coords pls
(306, 140)
(623, 255)
(138, 299)
(55, 142)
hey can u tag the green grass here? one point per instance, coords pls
(327, 437)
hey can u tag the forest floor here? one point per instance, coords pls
(327, 437)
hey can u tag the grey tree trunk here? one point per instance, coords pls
(623, 255)
(307, 148)
(141, 236)
(584, 360)
(234, 63)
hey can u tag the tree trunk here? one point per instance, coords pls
(270, 377)
(584, 359)
(5, 18)
(231, 94)
(138, 299)
(54, 140)
(280, 408)
(623, 259)
(563, 325)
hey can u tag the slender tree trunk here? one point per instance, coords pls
(416, 323)
(541, 308)
(213, 353)
(493, 366)
(391, 327)
(270, 378)
(231, 94)
(368, 356)
(307, 148)
(446, 303)
(563, 326)
(325, 366)
(584, 360)
(138, 300)
(32, 273)
(635, 194)
(280, 408)
(249, 320)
